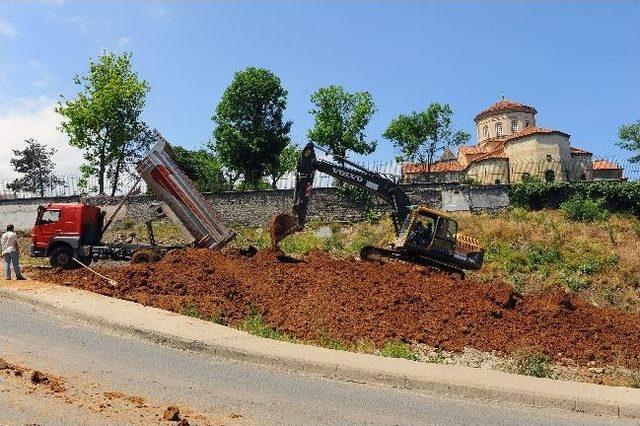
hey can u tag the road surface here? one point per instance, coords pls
(164, 375)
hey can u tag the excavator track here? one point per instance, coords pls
(371, 253)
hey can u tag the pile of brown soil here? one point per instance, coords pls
(349, 300)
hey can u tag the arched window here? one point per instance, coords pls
(549, 176)
(514, 126)
(498, 182)
(526, 124)
(485, 131)
(498, 129)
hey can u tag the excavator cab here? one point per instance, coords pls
(429, 230)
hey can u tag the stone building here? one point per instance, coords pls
(512, 147)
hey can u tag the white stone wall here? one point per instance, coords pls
(536, 154)
(489, 172)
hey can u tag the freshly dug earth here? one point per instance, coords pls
(350, 301)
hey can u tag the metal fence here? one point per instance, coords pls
(492, 172)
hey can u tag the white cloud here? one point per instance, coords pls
(35, 118)
(80, 23)
(158, 10)
(7, 29)
(124, 41)
(42, 77)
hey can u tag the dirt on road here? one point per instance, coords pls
(349, 301)
(39, 397)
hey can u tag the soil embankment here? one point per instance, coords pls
(349, 300)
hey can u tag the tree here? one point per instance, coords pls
(420, 135)
(283, 164)
(250, 129)
(35, 163)
(629, 135)
(104, 118)
(340, 120)
(202, 167)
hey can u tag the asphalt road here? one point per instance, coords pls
(261, 395)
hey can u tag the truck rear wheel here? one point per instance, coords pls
(62, 257)
(144, 256)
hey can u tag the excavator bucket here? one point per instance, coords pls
(282, 225)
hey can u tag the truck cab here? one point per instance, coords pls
(63, 231)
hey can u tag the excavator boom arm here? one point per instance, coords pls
(352, 174)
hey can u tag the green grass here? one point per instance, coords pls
(544, 250)
(331, 343)
(530, 362)
(256, 325)
(397, 349)
(190, 309)
(634, 380)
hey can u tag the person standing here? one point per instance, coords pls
(11, 252)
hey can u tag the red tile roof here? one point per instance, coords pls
(505, 105)
(605, 165)
(534, 130)
(575, 150)
(490, 155)
(472, 149)
(437, 167)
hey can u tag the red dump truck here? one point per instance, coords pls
(64, 232)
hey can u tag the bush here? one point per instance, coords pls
(362, 199)
(616, 196)
(584, 209)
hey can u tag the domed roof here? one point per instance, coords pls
(505, 105)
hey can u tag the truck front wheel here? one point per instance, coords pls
(62, 257)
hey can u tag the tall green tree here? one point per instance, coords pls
(419, 136)
(202, 167)
(104, 118)
(36, 165)
(283, 164)
(340, 120)
(250, 129)
(629, 135)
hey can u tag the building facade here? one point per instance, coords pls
(510, 148)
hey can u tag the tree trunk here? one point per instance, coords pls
(114, 186)
(40, 182)
(101, 169)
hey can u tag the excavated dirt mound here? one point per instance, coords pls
(349, 300)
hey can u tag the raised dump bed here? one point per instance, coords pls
(173, 187)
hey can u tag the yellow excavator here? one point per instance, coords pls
(424, 236)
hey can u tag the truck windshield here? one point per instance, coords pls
(47, 216)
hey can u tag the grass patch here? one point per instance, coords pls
(331, 343)
(190, 309)
(530, 362)
(256, 325)
(634, 380)
(398, 349)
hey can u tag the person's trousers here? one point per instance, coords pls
(10, 258)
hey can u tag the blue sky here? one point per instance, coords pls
(576, 62)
